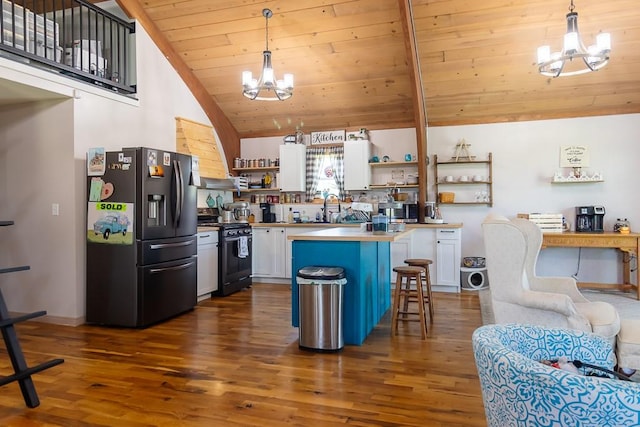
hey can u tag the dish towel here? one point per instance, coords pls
(243, 247)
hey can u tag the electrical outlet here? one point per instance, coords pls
(55, 209)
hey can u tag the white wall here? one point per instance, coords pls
(525, 157)
(43, 150)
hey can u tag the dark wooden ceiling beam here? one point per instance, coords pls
(419, 113)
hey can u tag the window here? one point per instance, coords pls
(326, 178)
(325, 172)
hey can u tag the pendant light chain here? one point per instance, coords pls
(267, 14)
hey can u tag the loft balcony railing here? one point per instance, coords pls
(71, 37)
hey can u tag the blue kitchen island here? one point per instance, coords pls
(365, 258)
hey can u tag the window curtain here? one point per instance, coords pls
(314, 163)
(315, 157)
(336, 154)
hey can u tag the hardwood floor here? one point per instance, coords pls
(235, 361)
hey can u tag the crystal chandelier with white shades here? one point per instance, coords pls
(267, 88)
(586, 59)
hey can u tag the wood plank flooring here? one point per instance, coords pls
(235, 361)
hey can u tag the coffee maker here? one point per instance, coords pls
(267, 215)
(590, 219)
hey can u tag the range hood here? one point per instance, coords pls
(217, 183)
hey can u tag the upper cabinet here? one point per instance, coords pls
(293, 165)
(357, 173)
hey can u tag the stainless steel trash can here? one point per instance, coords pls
(320, 296)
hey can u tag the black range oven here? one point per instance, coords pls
(234, 254)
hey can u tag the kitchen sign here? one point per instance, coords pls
(574, 156)
(328, 137)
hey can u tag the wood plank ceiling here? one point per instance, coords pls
(351, 67)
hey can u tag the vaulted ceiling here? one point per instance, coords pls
(352, 66)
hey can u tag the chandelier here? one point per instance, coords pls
(587, 59)
(267, 88)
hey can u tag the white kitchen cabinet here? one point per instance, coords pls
(401, 250)
(419, 244)
(207, 263)
(357, 173)
(448, 256)
(293, 167)
(269, 249)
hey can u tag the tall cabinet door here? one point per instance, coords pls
(268, 252)
(293, 167)
(448, 244)
(357, 172)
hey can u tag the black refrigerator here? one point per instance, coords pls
(141, 236)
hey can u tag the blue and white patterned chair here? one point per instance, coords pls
(518, 390)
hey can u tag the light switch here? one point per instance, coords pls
(55, 209)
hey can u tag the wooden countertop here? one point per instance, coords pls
(207, 229)
(350, 225)
(350, 234)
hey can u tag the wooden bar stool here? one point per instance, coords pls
(426, 281)
(403, 289)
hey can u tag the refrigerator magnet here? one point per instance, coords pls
(166, 159)
(156, 171)
(95, 161)
(107, 191)
(95, 190)
(152, 158)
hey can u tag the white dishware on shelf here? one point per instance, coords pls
(464, 178)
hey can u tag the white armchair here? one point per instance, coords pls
(519, 296)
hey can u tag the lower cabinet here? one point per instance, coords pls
(442, 245)
(448, 256)
(272, 253)
(207, 263)
(269, 252)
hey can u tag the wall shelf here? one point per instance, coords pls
(469, 168)
(465, 182)
(389, 186)
(260, 190)
(465, 203)
(575, 181)
(263, 169)
(392, 164)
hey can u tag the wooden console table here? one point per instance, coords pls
(628, 244)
